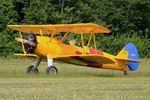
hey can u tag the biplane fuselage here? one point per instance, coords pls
(54, 49)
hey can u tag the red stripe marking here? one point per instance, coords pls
(95, 65)
(78, 52)
(94, 51)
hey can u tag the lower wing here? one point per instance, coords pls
(26, 55)
(84, 59)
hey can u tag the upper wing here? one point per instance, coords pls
(50, 29)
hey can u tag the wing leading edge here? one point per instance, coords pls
(50, 29)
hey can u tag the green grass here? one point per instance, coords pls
(72, 82)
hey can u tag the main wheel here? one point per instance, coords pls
(31, 69)
(35, 70)
(51, 70)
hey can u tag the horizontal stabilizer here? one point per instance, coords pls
(128, 60)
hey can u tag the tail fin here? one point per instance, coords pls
(130, 53)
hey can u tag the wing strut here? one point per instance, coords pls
(94, 41)
(64, 37)
(82, 39)
(89, 40)
(41, 32)
(23, 48)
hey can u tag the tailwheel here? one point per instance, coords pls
(31, 69)
(51, 70)
(125, 73)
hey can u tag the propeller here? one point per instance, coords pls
(30, 43)
(24, 41)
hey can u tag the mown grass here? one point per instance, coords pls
(72, 82)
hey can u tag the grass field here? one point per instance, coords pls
(72, 82)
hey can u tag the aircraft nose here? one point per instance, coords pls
(24, 41)
(29, 43)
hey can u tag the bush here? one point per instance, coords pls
(113, 44)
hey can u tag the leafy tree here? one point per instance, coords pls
(128, 20)
(7, 16)
(139, 16)
(35, 12)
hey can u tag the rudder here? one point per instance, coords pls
(130, 52)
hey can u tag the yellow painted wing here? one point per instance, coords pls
(50, 29)
(85, 59)
(26, 55)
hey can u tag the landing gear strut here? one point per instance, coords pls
(51, 69)
(34, 68)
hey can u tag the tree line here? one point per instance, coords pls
(128, 20)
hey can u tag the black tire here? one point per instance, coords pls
(35, 70)
(31, 69)
(125, 73)
(51, 70)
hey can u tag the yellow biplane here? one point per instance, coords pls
(42, 41)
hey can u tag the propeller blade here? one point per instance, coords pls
(24, 41)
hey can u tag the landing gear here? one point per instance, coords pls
(125, 73)
(51, 70)
(31, 69)
(34, 68)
